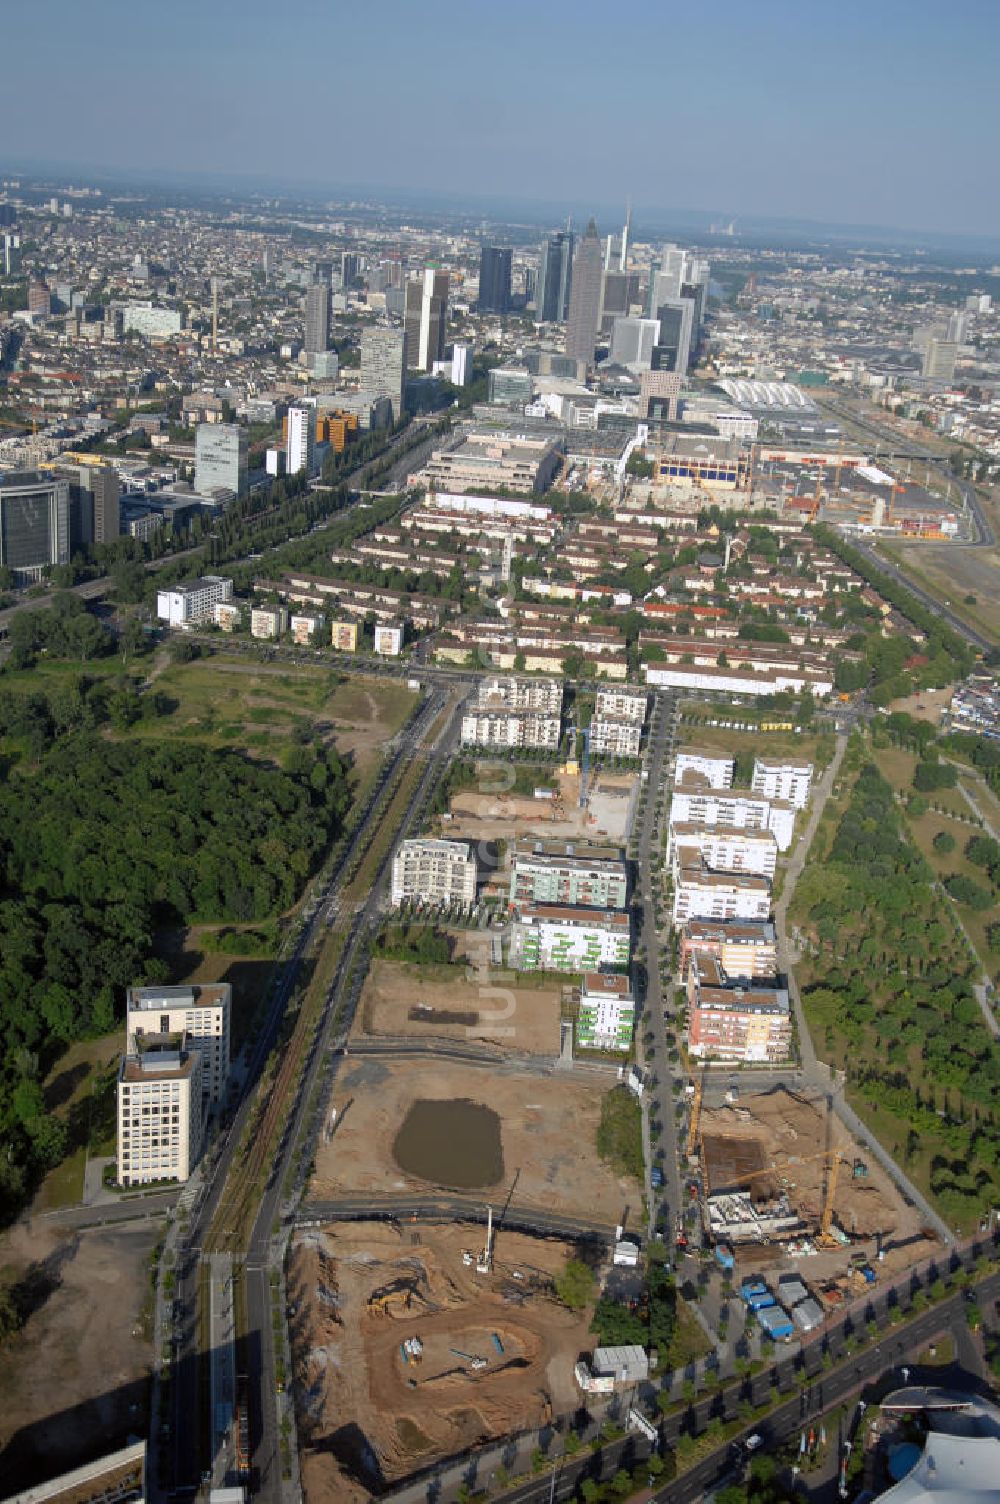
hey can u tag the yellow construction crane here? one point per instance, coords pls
(695, 1124)
(825, 1238)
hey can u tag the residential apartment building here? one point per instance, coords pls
(434, 871)
(701, 894)
(160, 1118)
(304, 630)
(300, 448)
(508, 692)
(722, 850)
(732, 1021)
(714, 767)
(389, 639)
(497, 728)
(742, 949)
(220, 458)
(621, 705)
(789, 781)
(564, 872)
(227, 615)
(559, 938)
(606, 1016)
(344, 636)
(268, 621)
(194, 602)
(615, 738)
(199, 1011)
(733, 811)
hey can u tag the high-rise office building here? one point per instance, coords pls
(676, 320)
(383, 366)
(494, 279)
(614, 299)
(939, 359)
(39, 300)
(555, 278)
(301, 445)
(426, 314)
(220, 458)
(94, 511)
(317, 318)
(350, 267)
(633, 342)
(34, 522)
(585, 297)
(10, 254)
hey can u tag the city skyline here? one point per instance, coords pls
(840, 117)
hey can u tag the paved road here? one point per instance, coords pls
(664, 1145)
(436, 1208)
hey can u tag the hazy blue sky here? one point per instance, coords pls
(881, 111)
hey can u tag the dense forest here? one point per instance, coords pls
(101, 842)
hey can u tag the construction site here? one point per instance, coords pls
(401, 1000)
(490, 814)
(431, 1339)
(404, 1124)
(779, 1180)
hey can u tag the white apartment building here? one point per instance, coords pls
(508, 692)
(437, 872)
(722, 850)
(789, 781)
(268, 621)
(305, 630)
(389, 640)
(733, 811)
(714, 767)
(159, 1113)
(700, 894)
(194, 602)
(201, 1012)
(621, 705)
(557, 937)
(300, 447)
(615, 738)
(496, 729)
(606, 1017)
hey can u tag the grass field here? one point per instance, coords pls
(951, 572)
(263, 708)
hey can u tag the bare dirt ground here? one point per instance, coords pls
(406, 1415)
(952, 571)
(548, 1132)
(497, 816)
(74, 1380)
(425, 1003)
(925, 706)
(792, 1134)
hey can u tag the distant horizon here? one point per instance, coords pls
(537, 212)
(868, 117)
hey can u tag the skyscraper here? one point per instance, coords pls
(555, 276)
(677, 334)
(94, 514)
(301, 445)
(426, 314)
(383, 366)
(220, 458)
(317, 318)
(585, 298)
(494, 279)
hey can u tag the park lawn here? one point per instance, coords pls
(945, 864)
(896, 765)
(48, 673)
(68, 1090)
